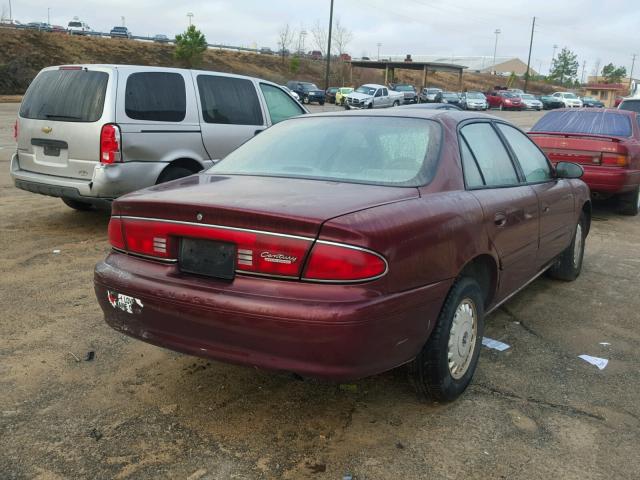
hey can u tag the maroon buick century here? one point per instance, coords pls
(342, 245)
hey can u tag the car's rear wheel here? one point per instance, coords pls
(569, 264)
(445, 365)
(629, 203)
(77, 204)
(173, 173)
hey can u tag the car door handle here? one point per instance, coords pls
(500, 219)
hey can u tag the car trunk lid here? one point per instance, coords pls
(581, 148)
(60, 120)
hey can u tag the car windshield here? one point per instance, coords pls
(475, 96)
(366, 90)
(569, 95)
(594, 123)
(404, 88)
(308, 87)
(508, 94)
(355, 149)
(75, 24)
(450, 96)
(527, 96)
(431, 91)
(631, 105)
(589, 99)
(120, 29)
(346, 90)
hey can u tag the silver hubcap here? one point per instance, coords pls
(577, 246)
(462, 338)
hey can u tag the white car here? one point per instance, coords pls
(77, 27)
(569, 99)
(373, 96)
(531, 102)
(291, 92)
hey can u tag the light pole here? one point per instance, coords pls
(10, 15)
(123, 23)
(555, 47)
(190, 15)
(379, 45)
(48, 16)
(303, 35)
(326, 73)
(495, 48)
(633, 64)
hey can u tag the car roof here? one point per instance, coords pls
(373, 85)
(453, 116)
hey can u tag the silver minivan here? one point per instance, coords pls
(90, 133)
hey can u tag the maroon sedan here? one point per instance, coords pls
(505, 100)
(343, 245)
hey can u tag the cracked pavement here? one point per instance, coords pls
(139, 412)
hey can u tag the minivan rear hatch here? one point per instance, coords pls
(60, 120)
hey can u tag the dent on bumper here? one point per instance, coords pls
(325, 331)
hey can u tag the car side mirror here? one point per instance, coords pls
(568, 170)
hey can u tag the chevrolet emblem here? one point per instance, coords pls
(46, 129)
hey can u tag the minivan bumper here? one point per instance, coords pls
(107, 182)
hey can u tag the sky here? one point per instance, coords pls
(595, 30)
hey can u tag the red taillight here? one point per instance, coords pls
(110, 144)
(615, 159)
(15, 131)
(116, 236)
(330, 262)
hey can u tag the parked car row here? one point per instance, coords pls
(355, 243)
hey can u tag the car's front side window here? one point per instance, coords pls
(532, 161)
(490, 154)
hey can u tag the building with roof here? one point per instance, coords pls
(606, 92)
(478, 64)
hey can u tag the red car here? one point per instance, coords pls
(343, 245)
(605, 142)
(505, 100)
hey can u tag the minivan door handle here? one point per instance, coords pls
(500, 219)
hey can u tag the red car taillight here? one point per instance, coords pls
(260, 253)
(15, 131)
(110, 151)
(614, 159)
(332, 262)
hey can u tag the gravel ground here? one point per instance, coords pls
(137, 411)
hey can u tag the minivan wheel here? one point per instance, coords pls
(569, 264)
(629, 203)
(76, 204)
(445, 365)
(173, 173)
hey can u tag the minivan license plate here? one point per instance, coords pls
(208, 257)
(51, 151)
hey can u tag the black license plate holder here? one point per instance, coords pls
(51, 151)
(209, 258)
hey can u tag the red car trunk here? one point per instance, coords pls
(583, 149)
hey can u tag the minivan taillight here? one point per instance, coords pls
(334, 262)
(15, 130)
(110, 151)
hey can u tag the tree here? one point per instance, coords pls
(294, 64)
(319, 34)
(190, 46)
(341, 37)
(285, 37)
(613, 74)
(565, 67)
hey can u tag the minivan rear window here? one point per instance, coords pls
(594, 123)
(156, 96)
(66, 96)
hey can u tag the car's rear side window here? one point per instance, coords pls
(280, 104)
(595, 123)
(490, 154)
(156, 96)
(229, 100)
(66, 96)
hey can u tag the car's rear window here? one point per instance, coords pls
(631, 105)
(589, 123)
(357, 149)
(66, 96)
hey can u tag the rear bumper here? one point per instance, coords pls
(326, 331)
(107, 181)
(611, 180)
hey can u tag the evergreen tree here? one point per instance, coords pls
(565, 67)
(190, 46)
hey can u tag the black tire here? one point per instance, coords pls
(430, 372)
(567, 266)
(629, 203)
(305, 99)
(173, 173)
(396, 104)
(321, 102)
(370, 105)
(77, 204)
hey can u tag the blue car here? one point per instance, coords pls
(307, 91)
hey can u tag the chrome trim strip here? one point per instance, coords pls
(508, 297)
(266, 275)
(360, 280)
(211, 225)
(147, 257)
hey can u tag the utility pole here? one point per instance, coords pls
(303, 35)
(48, 16)
(379, 45)
(10, 15)
(190, 16)
(495, 48)
(526, 75)
(326, 73)
(633, 64)
(584, 65)
(122, 18)
(555, 47)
